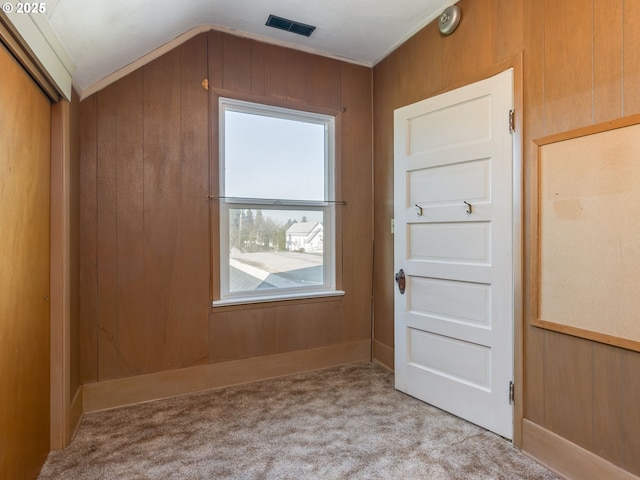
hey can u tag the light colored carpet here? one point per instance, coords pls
(340, 423)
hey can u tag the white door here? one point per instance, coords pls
(454, 243)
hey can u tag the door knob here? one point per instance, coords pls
(401, 279)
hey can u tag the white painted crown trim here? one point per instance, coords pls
(47, 48)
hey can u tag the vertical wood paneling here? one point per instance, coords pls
(483, 14)
(384, 102)
(129, 229)
(297, 71)
(534, 127)
(162, 180)
(107, 234)
(534, 388)
(162, 220)
(568, 375)
(74, 242)
(258, 52)
(59, 311)
(357, 213)
(274, 328)
(629, 442)
(631, 57)
(534, 43)
(214, 49)
(568, 66)
(236, 67)
(608, 412)
(214, 180)
(243, 334)
(425, 49)
(509, 28)
(88, 327)
(432, 59)
(194, 207)
(324, 74)
(413, 86)
(459, 49)
(275, 72)
(308, 325)
(607, 60)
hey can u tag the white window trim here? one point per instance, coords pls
(328, 206)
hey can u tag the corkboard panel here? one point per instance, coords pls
(589, 233)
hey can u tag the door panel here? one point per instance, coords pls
(454, 240)
(449, 357)
(451, 242)
(430, 131)
(25, 128)
(451, 184)
(462, 302)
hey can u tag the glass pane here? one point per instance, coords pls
(267, 157)
(275, 249)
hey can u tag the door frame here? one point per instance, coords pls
(65, 408)
(517, 228)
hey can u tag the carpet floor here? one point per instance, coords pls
(339, 423)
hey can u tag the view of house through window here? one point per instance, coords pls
(276, 183)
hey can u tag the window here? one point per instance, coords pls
(277, 219)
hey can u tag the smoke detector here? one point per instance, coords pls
(449, 20)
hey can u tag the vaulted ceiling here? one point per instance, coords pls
(103, 36)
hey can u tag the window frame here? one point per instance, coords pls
(222, 294)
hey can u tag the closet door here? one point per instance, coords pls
(25, 129)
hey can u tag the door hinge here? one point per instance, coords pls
(511, 392)
(512, 121)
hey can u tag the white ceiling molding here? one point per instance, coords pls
(45, 45)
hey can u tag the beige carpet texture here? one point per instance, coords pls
(339, 423)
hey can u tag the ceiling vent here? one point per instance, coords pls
(290, 25)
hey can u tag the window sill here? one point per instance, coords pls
(276, 298)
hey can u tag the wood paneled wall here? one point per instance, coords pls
(74, 248)
(149, 149)
(25, 125)
(144, 219)
(584, 391)
(255, 71)
(581, 66)
(65, 270)
(490, 33)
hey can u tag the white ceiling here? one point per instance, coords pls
(103, 36)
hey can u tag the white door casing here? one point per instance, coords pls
(454, 240)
